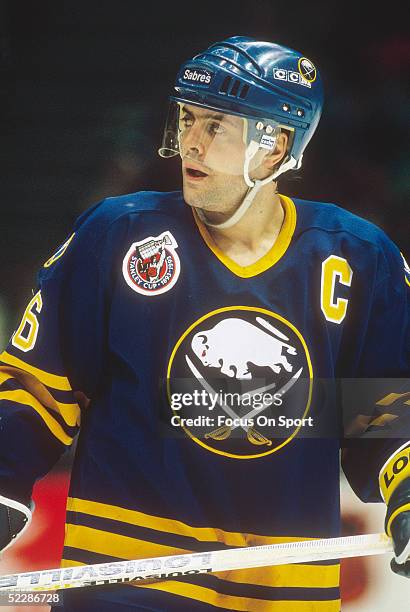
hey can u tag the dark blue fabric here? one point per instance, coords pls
(118, 345)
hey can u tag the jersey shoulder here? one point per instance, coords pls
(110, 210)
(331, 218)
(329, 223)
(104, 226)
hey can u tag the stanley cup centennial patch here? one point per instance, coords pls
(152, 265)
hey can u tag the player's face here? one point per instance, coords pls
(212, 146)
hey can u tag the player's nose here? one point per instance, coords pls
(194, 143)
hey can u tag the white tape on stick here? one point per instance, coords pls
(162, 568)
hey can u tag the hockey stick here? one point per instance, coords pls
(171, 567)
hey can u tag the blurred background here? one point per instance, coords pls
(83, 99)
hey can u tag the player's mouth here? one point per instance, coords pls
(194, 174)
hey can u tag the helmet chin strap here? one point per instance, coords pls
(254, 186)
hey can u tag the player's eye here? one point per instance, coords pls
(186, 121)
(215, 127)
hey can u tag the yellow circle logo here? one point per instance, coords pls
(307, 69)
(239, 382)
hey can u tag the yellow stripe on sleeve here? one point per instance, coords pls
(114, 545)
(381, 420)
(71, 563)
(86, 538)
(23, 397)
(4, 376)
(167, 525)
(71, 413)
(51, 380)
(219, 600)
(244, 604)
(206, 595)
(294, 575)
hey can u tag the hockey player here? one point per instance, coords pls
(227, 302)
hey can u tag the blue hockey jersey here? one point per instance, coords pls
(209, 417)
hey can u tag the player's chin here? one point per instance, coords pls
(194, 195)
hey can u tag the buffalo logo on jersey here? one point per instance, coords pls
(152, 265)
(239, 382)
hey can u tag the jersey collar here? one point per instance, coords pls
(270, 258)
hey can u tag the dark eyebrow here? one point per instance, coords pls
(215, 116)
(185, 110)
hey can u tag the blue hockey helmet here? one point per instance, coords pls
(275, 88)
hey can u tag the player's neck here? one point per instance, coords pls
(257, 230)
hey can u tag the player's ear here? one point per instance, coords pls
(279, 152)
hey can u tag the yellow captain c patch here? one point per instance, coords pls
(334, 267)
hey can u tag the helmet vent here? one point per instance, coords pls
(244, 91)
(232, 87)
(225, 85)
(235, 88)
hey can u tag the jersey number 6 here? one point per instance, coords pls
(26, 334)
